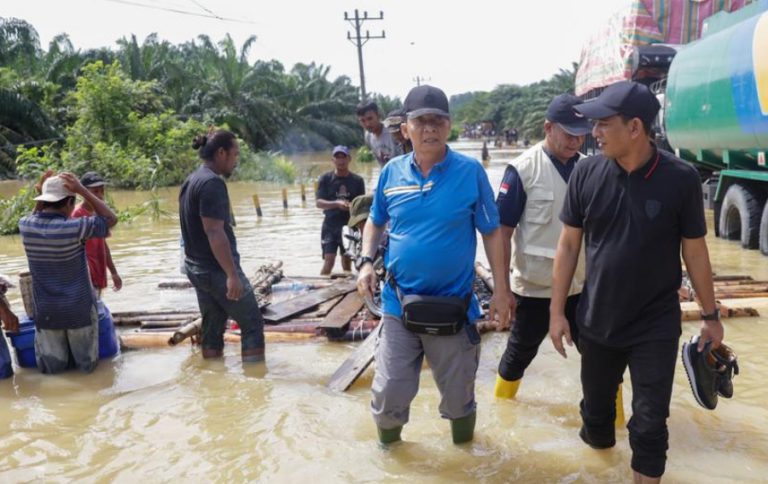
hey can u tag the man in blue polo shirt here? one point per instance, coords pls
(434, 199)
(636, 207)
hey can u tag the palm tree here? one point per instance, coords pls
(19, 45)
(21, 121)
(236, 93)
(320, 112)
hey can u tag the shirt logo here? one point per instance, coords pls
(652, 208)
(504, 188)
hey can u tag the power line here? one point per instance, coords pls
(182, 12)
(359, 40)
(205, 8)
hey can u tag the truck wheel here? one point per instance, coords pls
(740, 216)
(764, 230)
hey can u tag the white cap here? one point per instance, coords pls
(54, 190)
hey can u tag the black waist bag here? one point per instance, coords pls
(435, 315)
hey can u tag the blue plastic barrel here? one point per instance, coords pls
(108, 346)
(24, 343)
(6, 369)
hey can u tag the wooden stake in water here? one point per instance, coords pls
(257, 205)
(285, 198)
(303, 194)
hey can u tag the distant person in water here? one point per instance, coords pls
(211, 259)
(335, 191)
(96, 249)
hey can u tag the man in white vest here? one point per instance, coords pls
(530, 198)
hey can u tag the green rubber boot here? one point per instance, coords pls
(463, 429)
(389, 436)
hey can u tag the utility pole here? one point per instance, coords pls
(418, 80)
(359, 40)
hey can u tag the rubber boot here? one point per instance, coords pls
(619, 422)
(505, 388)
(389, 436)
(463, 429)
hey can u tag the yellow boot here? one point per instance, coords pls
(619, 422)
(504, 388)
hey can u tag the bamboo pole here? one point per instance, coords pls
(188, 330)
(257, 205)
(141, 340)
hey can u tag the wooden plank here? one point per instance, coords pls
(279, 311)
(355, 365)
(323, 309)
(336, 322)
(161, 312)
(691, 311)
(343, 312)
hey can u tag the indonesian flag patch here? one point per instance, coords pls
(504, 188)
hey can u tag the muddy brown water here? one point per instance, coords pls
(165, 414)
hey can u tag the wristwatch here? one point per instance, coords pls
(713, 316)
(364, 260)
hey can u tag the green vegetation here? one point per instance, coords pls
(364, 155)
(512, 106)
(12, 209)
(130, 113)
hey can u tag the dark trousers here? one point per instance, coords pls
(651, 369)
(215, 309)
(530, 328)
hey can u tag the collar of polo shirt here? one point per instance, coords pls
(644, 171)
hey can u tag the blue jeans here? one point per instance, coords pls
(215, 309)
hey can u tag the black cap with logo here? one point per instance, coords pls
(629, 98)
(561, 111)
(423, 100)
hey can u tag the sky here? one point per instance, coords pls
(457, 46)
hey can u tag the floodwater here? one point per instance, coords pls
(165, 414)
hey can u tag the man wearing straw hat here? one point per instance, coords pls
(66, 321)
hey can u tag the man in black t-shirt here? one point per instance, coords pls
(212, 262)
(636, 208)
(335, 190)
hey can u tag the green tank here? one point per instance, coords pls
(716, 99)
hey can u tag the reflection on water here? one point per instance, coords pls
(168, 415)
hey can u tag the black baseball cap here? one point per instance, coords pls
(92, 180)
(629, 98)
(424, 99)
(561, 111)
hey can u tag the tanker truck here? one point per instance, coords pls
(715, 115)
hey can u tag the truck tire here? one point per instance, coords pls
(740, 216)
(764, 230)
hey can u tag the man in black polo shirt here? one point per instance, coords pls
(635, 207)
